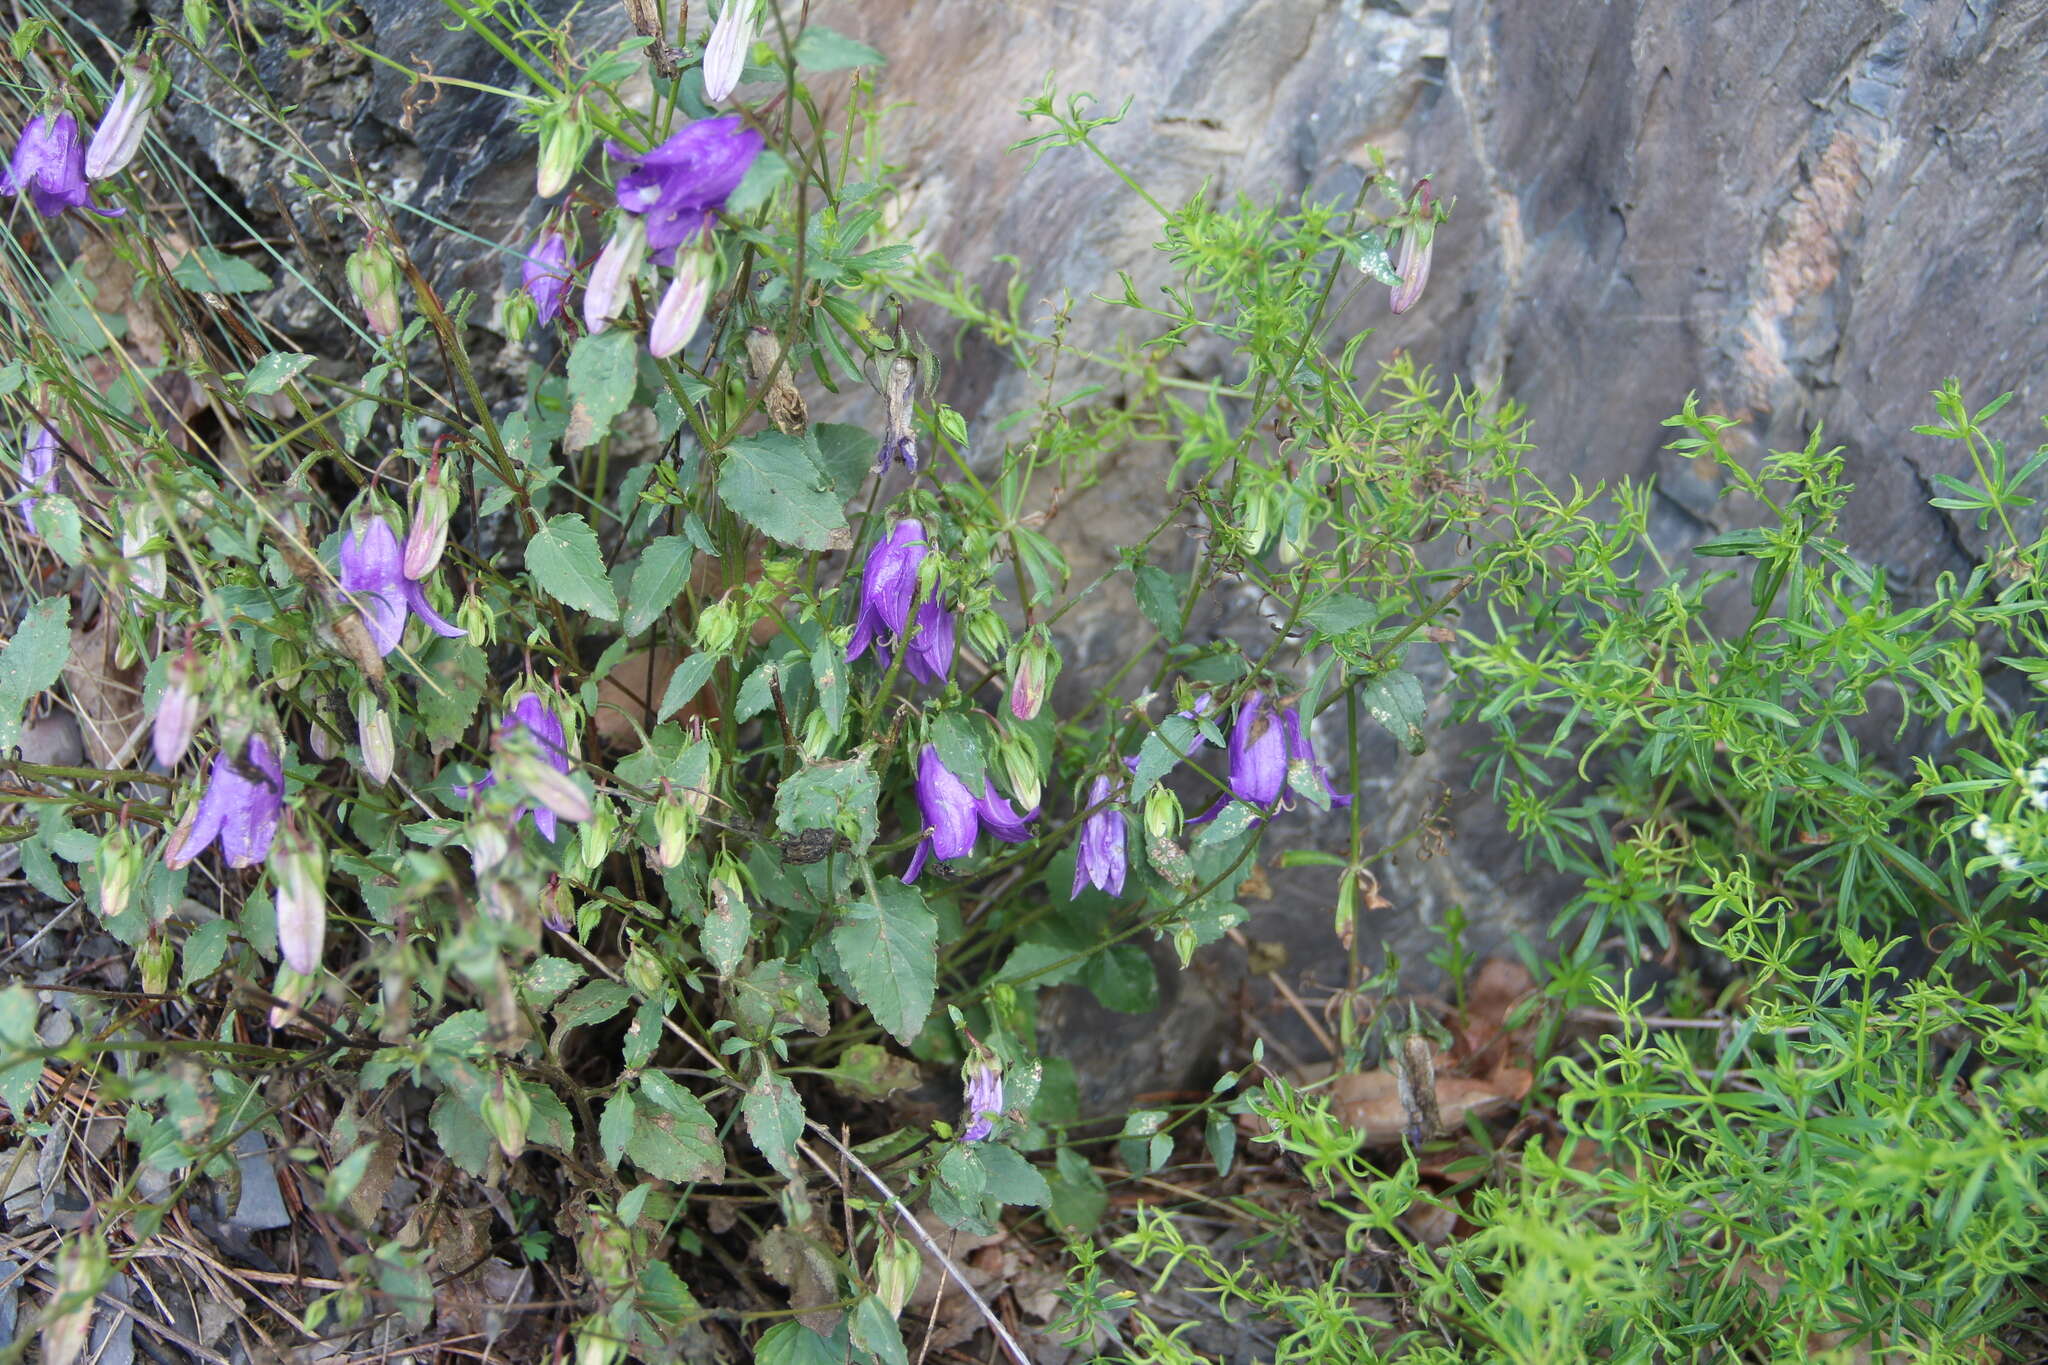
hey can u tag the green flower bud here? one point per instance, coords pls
(564, 141)
(373, 733)
(674, 827)
(1018, 759)
(896, 1268)
(718, 626)
(507, 1109)
(988, 634)
(1033, 666)
(1163, 815)
(474, 617)
(597, 836)
(373, 275)
(643, 972)
(153, 960)
(518, 317)
(119, 862)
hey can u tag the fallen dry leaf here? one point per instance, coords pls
(1371, 1100)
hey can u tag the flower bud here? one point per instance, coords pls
(1018, 759)
(1033, 666)
(119, 863)
(718, 626)
(373, 734)
(1418, 241)
(818, 734)
(518, 316)
(674, 827)
(644, 973)
(988, 634)
(489, 843)
(507, 1109)
(298, 867)
(1254, 517)
(146, 570)
(178, 711)
(119, 135)
(476, 619)
(564, 141)
(320, 733)
(681, 309)
(536, 779)
(556, 905)
(153, 960)
(1163, 816)
(611, 277)
(292, 989)
(725, 55)
(896, 1269)
(595, 837)
(373, 274)
(427, 537)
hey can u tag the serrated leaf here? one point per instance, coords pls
(769, 480)
(274, 371)
(1374, 261)
(728, 923)
(563, 558)
(453, 673)
(602, 371)
(792, 1343)
(209, 270)
(546, 978)
(1340, 614)
(615, 1125)
(871, 1326)
(775, 1120)
(1159, 598)
(819, 48)
(685, 683)
(32, 662)
(1159, 753)
(961, 1171)
(58, 523)
(593, 1004)
(1123, 979)
(205, 948)
(888, 946)
(1395, 700)
(1012, 1179)
(462, 1133)
(663, 570)
(844, 454)
(673, 1137)
(823, 795)
(870, 1071)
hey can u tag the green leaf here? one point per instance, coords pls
(792, 1343)
(685, 683)
(959, 746)
(870, 1071)
(210, 270)
(888, 946)
(828, 672)
(1123, 978)
(593, 1004)
(205, 948)
(841, 796)
(1222, 1138)
(961, 1171)
(1012, 1179)
(761, 181)
(844, 454)
(768, 480)
(664, 569)
(602, 372)
(58, 523)
(1734, 544)
(615, 1125)
(775, 1120)
(32, 662)
(274, 371)
(1395, 701)
(728, 923)
(1079, 1197)
(18, 1013)
(546, 978)
(462, 1133)
(1159, 598)
(1341, 614)
(871, 1326)
(1374, 261)
(673, 1137)
(1160, 751)
(563, 558)
(823, 49)
(452, 687)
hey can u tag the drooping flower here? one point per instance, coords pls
(953, 815)
(984, 1099)
(565, 137)
(178, 711)
(1258, 753)
(534, 722)
(1303, 767)
(544, 274)
(373, 567)
(119, 135)
(725, 55)
(681, 308)
(888, 586)
(49, 167)
(677, 186)
(1033, 666)
(1418, 242)
(243, 802)
(611, 278)
(427, 538)
(930, 655)
(38, 468)
(299, 871)
(372, 272)
(1100, 859)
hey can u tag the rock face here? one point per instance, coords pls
(1811, 218)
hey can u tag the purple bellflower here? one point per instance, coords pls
(888, 586)
(1302, 763)
(243, 802)
(984, 1100)
(1100, 858)
(49, 167)
(544, 728)
(373, 566)
(38, 468)
(545, 276)
(1417, 245)
(677, 187)
(930, 657)
(1258, 753)
(953, 815)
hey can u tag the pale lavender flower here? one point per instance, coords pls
(544, 274)
(373, 567)
(49, 167)
(243, 802)
(119, 135)
(984, 1101)
(1101, 859)
(725, 56)
(1418, 242)
(611, 277)
(38, 468)
(681, 309)
(544, 728)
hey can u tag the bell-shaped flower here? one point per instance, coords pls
(299, 873)
(725, 55)
(544, 275)
(49, 167)
(677, 187)
(888, 586)
(1101, 859)
(38, 468)
(178, 711)
(243, 802)
(373, 567)
(1258, 753)
(119, 135)
(681, 309)
(930, 655)
(984, 1099)
(533, 724)
(372, 271)
(953, 815)
(611, 279)
(1305, 772)
(1418, 242)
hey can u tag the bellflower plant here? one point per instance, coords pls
(118, 137)
(38, 468)
(373, 566)
(1258, 753)
(1303, 767)
(888, 586)
(49, 167)
(675, 188)
(1417, 244)
(544, 274)
(243, 802)
(1101, 859)
(954, 816)
(541, 725)
(930, 655)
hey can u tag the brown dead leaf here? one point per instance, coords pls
(1371, 1100)
(957, 1319)
(629, 693)
(806, 1269)
(106, 697)
(1498, 986)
